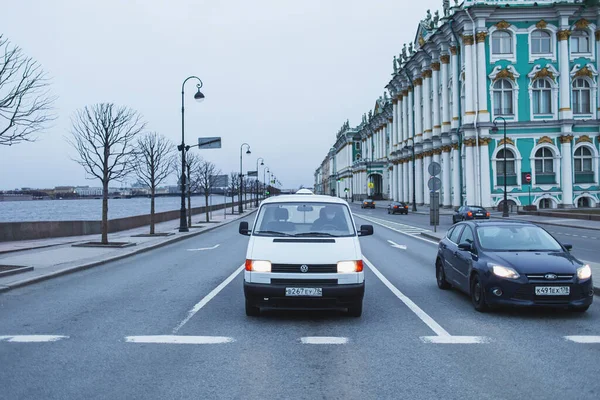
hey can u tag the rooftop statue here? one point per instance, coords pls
(410, 49)
(436, 18)
(395, 65)
(404, 56)
(446, 7)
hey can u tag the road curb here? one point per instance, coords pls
(69, 270)
(431, 236)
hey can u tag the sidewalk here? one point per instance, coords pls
(55, 257)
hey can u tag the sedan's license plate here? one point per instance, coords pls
(552, 290)
(298, 291)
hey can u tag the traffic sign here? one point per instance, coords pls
(528, 178)
(209, 143)
(434, 183)
(434, 168)
(371, 185)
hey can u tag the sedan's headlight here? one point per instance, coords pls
(345, 267)
(584, 272)
(258, 265)
(504, 272)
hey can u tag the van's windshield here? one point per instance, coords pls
(304, 219)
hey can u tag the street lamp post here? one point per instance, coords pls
(265, 181)
(262, 162)
(240, 207)
(505, 201)
(199, 97)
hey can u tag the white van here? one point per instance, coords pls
(304, 253)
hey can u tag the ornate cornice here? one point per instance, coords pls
(453, 50)
(405, 92)
(418, 156)
(446, 149)
(563, 34)
(437, 152)
(410, 89)
(435, 66)
(421, 41)
(584, 138)
(566, 138)
(597, 35)
(508, 141)
(484, 141)
(544, 73)
(467, 40)
(502, 24)
(454, 146)
(480, 37)
(418, 81)
(541, 25)
(585, 71)
(545, 139)
(395, 99)
(582, 24)
(426, 74)
(470, 142)
(445, 58)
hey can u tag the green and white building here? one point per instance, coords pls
(531, 64)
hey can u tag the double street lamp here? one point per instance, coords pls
(199, 97)
(240, 207)
(505, 202)
(262, 162)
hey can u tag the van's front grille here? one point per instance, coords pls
(310, 268)
(304, 282)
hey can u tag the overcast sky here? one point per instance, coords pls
(281, 75)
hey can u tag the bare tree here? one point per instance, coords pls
(153, 164)
(25, 101)
(234, 185)
(204, 178)
(104, 137)
(192, 162)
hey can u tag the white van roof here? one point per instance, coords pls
(302, 198)
(304, 191)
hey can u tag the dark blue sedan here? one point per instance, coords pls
(511, 263)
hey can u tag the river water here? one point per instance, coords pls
(91, 209)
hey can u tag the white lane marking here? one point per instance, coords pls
(174, 339)
(442, 335)
(32, 338)
(324, 340)
(205, 248)
(396, 245)
(416, 236)
(584, 339)
(583, 236)
(208, 298)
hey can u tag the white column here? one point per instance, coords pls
(456, 184)
(409, 131)
(426, 162)
(482, 91)
(454, 62)
(435, 85)
(565, 111)
(470, 172)
(406, 173)
(400, 123)
(394, 137)
(447, 189)
(417, 106)
(393, 183)
(470, 107)
(484, 159)
(427, 129)
(419, 179)
(445, 60)
(566, 170)
(598, 62)
(399, 181)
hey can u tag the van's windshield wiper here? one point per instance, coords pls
(315, 234)
(274, 233)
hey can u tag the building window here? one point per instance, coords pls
(544, 166)
(511, 176)
(542, 97)
(541, 42)
(580, 42)
(545, 203)
(583, 165)
(582, 95)
(501, 42)
(583, 202)
(357, 145)
(503, 97)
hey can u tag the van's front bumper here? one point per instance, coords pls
(273, 295)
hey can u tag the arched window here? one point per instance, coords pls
(580, 42)
(511, 176)
(503, 97)
(582, 96)
(544, 166)
(541, 42)
(545, 203)
(583, 202)
(584, 172)
(542, 97)
(501, 42)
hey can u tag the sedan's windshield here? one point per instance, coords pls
(304, 219)
(516, 238)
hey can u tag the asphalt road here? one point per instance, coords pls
(389, 353)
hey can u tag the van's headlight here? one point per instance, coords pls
(584, 272)
(504, 272)
(258, 265)
(345, 267)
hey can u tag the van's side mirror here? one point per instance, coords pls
(568, 246)
(244, 228)
(465, 247)
(365, 230)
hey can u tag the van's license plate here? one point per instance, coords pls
(298, 291)
(552, 290)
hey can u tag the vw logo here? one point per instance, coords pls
(304, 268)
(550, 277)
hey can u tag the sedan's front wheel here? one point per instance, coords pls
(478, 294)
(441, 276)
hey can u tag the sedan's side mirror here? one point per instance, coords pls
(568, 246)
(465, 247)
(365, 230)
(244, 228)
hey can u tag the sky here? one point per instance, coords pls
(280, 75)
